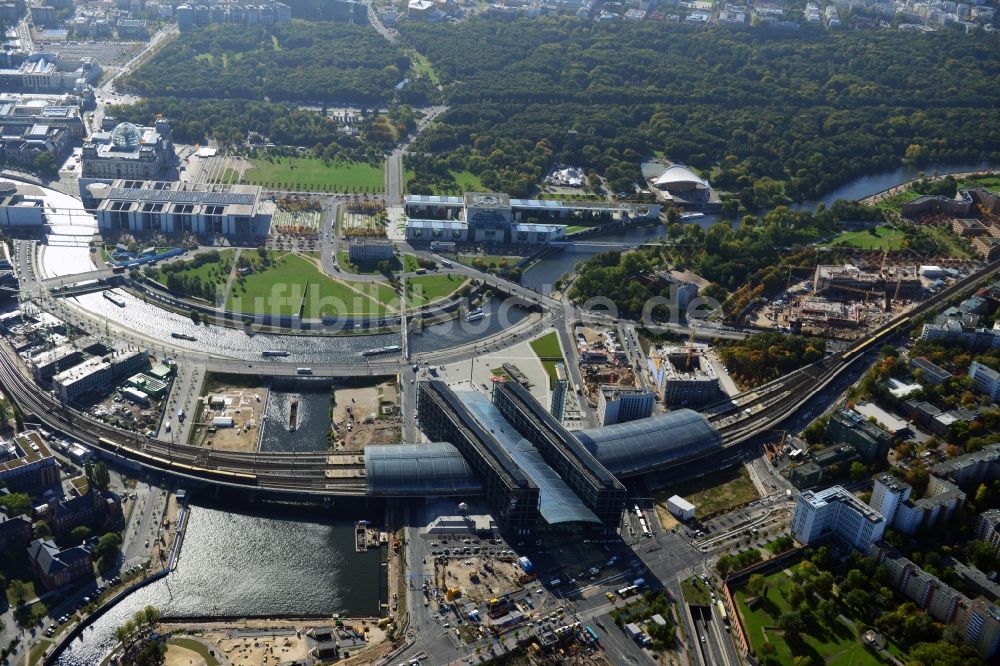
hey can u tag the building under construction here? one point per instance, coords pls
(850, 282)
(684, 376)
(831, 313)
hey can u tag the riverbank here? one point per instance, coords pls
(878, 197)
(265, 642)
(167, 560)
(299, 562)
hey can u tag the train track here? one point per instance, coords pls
(770, 404)
(343, 474)
(280, 471)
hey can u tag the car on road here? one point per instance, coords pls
(610, 596)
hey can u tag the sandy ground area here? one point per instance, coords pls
(667, 520)
(260, 650)
(180, 656)
(288, 642)
(361, 408)
(244, 405)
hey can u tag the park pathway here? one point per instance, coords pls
(229, 281)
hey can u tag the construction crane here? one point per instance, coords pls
(788, 286)
(690, 348)
(899, 284)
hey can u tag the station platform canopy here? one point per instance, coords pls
(418, 469)
(646, 445)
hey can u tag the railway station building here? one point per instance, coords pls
(536, 476)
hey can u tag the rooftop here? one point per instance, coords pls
(652, 443)
(840, 494)
(557, 501)
(24, 449)
(394, 469)
(563, 440)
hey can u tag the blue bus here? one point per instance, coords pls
(593, 634)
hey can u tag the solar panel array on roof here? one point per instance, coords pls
(436, 224)
(418, 469)
(537, 203)
(183, 196)
(645, 445)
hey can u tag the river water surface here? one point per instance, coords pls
(262, 563)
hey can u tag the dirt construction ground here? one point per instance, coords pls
(362, 409)
(244, 405)
(288, 642)
(179, 656)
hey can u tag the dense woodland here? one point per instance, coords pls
(297, 61)
(807, 111)
(771, 117)
(229, 121)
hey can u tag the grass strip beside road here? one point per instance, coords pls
(549, 352)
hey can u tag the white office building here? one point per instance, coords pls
(836, 515)
(96, 373)
(985, 379)
(173, 207)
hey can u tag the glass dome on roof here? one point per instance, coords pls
(126, 135)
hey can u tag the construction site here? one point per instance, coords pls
(845, 301)
(603, 362)
(685, 376)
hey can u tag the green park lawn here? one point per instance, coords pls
(955, 247)
(424, 289)
(422, 66)
(549, 352)
(280, 287)
(309, 173)
(991, 183)
(835, 645)
(883, 238)
(216, 272)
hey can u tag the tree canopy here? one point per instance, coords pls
(297, 61)
(806, 111)
(16, 504)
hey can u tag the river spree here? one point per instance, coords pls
(543, 275)
(261, 563)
